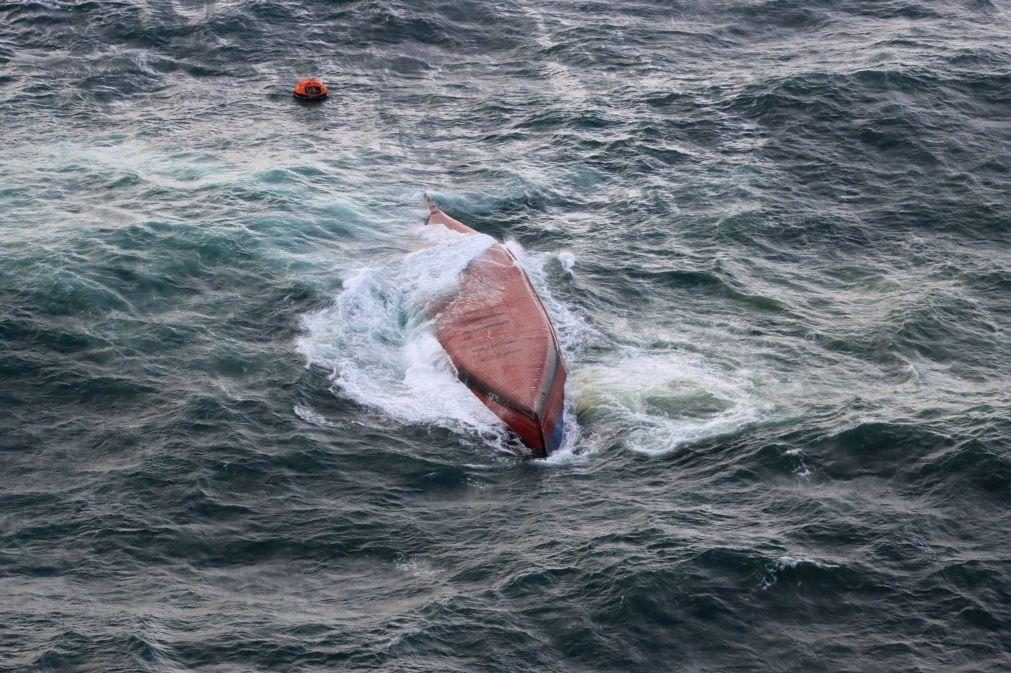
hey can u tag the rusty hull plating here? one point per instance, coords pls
(502, 343)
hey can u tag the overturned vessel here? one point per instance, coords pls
(502, 343)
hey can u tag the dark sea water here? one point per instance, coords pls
(773, 236)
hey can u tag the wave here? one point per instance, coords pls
(654, 403)
(380, 348)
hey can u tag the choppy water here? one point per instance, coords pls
(773, 236)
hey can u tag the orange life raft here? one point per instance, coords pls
(311, 89)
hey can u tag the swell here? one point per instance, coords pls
(773, 235)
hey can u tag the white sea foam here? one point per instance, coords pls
(379, 345)
(574, 333)
(654, 403)
(310, 416)
(788, 561)
(415, 566)
(380, 348)
(568, 261)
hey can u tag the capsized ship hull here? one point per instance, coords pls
(502, 343)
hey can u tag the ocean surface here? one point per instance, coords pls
(774, 237)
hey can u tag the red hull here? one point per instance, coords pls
(501, 342)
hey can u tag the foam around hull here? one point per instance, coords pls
(502, 343)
